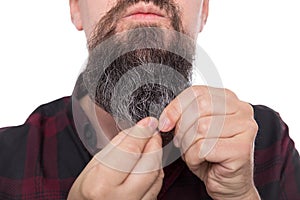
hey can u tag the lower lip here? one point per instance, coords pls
(144, 16)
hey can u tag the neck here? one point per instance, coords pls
(103, 123)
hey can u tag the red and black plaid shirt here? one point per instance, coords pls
(41, 158)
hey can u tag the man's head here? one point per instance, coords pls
(86, 14)
(155, 58)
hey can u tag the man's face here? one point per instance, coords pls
(86, 14)
(147, 70)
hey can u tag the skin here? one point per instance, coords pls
(225, 165)
(86, 13)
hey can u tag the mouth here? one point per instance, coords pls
(144, 12)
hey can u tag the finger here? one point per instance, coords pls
(120, 156)
(187, 119)
(231, 152)
(148, 169)
(209, 101)
(151, 159)
(193, 113)
(152, 193)
(221, 126)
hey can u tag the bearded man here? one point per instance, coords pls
(137, 128)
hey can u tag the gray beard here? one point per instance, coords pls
(136, 74)
(131, 82)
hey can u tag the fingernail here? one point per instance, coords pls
(164, 123)
(153, 123)
(148, 122)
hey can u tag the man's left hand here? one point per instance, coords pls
(215, 132)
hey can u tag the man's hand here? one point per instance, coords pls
(128, 168)
(216, 133)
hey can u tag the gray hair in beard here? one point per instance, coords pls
(137, 73)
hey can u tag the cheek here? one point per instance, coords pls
(92, 11)
(191, 15)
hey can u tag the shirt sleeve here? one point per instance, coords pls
(277, 162)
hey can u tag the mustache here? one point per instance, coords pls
(106, 27)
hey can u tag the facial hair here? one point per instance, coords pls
(153, 76)
(107, 25)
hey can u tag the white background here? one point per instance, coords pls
(254, 43)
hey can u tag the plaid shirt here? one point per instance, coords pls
(41, 158)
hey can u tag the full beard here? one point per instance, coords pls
(128, 79)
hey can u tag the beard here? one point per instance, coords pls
(137, 73)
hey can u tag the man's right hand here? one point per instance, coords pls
(128, 168)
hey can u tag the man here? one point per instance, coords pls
(249, 154)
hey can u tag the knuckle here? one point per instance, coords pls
(132, 147)
(88, 190)
(189, 160)
(173, 110)
(229, 93)
(204, 105)
(192, 160)
(247, 108)
(199, 90)
(203, 126)
(191, 165)
(252, 126)
(179, 127)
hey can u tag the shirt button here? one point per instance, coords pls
(90, 138)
